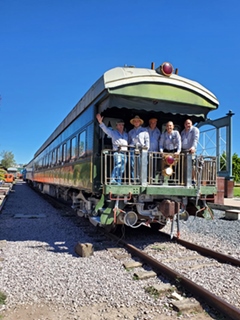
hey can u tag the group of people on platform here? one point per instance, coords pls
(149, 138)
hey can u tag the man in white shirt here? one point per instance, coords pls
(154, 134)
(189, 137)
(137, 137)
(119, 140)
(170, 140)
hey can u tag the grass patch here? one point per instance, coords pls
(236, 191)
(135, 277)
(3, 297)
(152, 291)
(156, 293)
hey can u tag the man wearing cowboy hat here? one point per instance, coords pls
(137, 137)
(119, 140)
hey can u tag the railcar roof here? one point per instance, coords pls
(127, 76)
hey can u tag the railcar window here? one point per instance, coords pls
(59, 155)
(48, 160)
(81, 144)
(64, 152)
(73, 148)
(53, 160)
(36, 164)
(68, 151)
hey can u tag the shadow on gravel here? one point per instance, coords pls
(27, 216)
(30, 216)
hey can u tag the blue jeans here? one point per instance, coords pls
(119, 161)
(135, 167)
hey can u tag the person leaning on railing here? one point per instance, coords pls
(154, 135)
(138, 137)
(119, 140)
(189, 138)
(170, 140)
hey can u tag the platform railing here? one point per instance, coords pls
(151, 168)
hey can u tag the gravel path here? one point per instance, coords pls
(41, 274)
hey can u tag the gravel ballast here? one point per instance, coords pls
(40, 265)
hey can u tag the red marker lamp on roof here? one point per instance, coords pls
(166, 69)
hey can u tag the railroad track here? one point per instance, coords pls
(160, 267)
(163, 265)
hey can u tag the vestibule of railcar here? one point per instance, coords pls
(111, 115)
(114, 108)
(155, 189)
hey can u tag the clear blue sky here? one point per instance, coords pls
(52, 51)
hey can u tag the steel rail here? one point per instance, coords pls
(206, 252)
(211, 299)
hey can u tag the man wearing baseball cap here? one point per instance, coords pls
(119, 140)
(154, 134)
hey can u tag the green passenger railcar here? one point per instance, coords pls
(76, 161)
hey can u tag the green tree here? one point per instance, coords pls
(223, 161)
(2, 173)
(236, 167)
(7, 159)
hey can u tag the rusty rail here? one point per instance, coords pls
(205, 251)
(211, 299)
